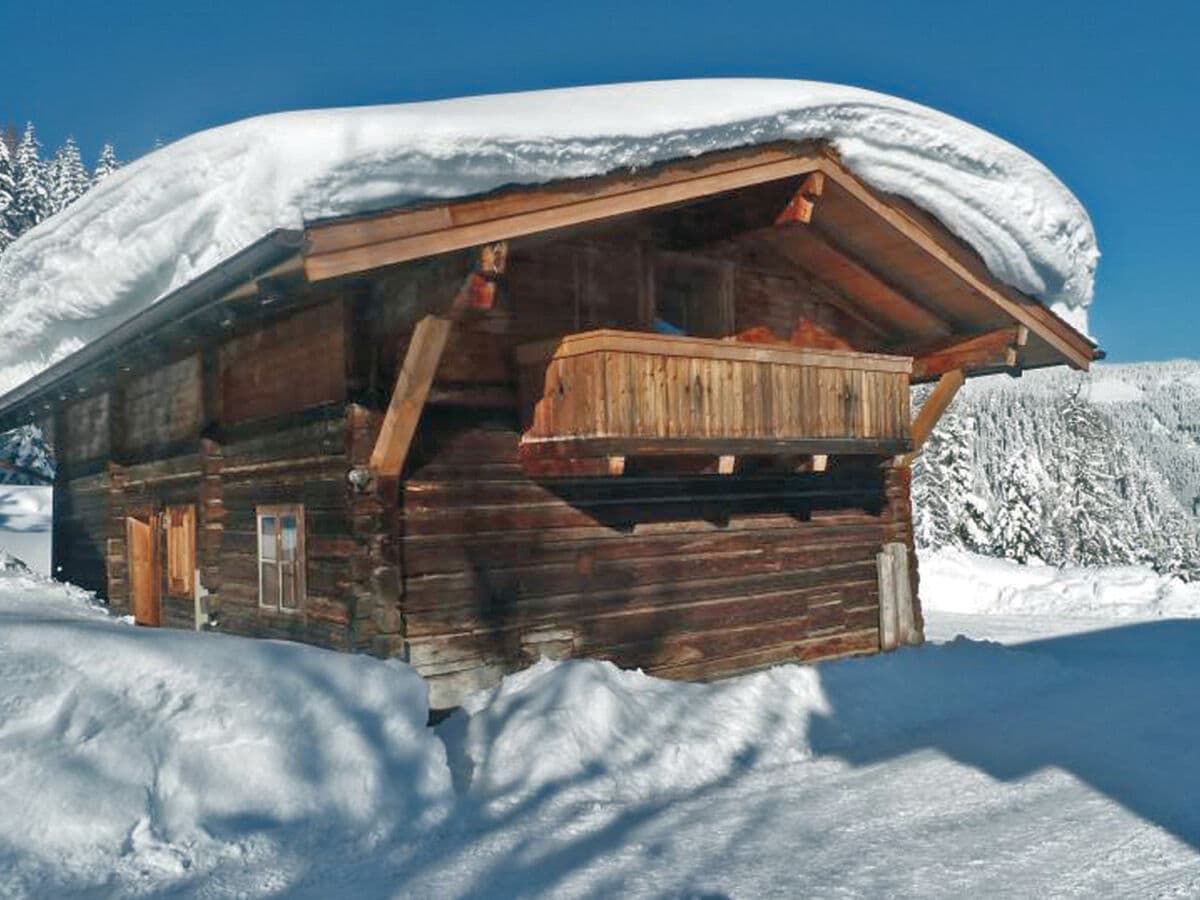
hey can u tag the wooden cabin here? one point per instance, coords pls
(660, 418)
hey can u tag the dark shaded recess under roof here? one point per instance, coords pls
(100, 357)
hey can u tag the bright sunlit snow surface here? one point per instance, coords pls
(1060, 762)
(164, 219)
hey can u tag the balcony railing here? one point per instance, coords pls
(618, 393)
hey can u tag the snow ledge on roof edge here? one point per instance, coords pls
(175, 213)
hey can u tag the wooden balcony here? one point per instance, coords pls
(615, 394)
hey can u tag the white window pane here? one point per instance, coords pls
(287, 576)
(288, 534)
(267, 530)
(270, 585)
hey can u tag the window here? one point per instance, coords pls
(181, 550)
(281, 557)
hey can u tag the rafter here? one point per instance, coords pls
(812, 252)
(344, 247)
(988, 350)
(1028, 312)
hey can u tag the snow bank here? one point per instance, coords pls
(135, 760)
(955, 581)
(587, 730)
(161, 221)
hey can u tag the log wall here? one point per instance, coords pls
(684, 577)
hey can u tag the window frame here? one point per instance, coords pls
(278, 512)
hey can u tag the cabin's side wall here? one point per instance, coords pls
(684, 577)
(253, 419)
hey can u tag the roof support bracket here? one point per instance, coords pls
(803, 203)
(931, 412)
(422, 359)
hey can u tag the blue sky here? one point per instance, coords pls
(1103, 93)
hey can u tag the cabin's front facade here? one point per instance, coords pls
(659, 418)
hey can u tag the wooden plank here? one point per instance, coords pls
(341, 248)
(570, 447)
(931, 412)
(613, 340)
(975, 351)
(889, 623)
(907, 632)
(408, 399)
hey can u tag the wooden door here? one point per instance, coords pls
(143, 583)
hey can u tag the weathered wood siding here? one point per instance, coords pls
(163, 408)
(287, 365)
(84, 434)
(305, 463)
(685, 577)
(620, 385)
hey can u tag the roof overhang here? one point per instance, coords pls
(940, 288)
(848, 208)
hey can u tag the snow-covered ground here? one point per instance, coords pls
(164, 219)
(144, 762)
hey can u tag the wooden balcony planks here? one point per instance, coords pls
(612, 392)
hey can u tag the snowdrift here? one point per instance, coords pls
(586, 730)
(155, 758)
(955, 581)
(159, 222)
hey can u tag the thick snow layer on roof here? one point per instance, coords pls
(161, 221)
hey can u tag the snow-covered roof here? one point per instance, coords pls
(161, 221)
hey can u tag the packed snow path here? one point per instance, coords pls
(1061, 766)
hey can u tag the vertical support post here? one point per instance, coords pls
(116, 551)
(211, 528)
(889, 620)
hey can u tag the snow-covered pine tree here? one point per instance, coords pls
(106, 164)
(7, 196)
(69, 177)
(1090, 510)
(31, 198)
(1017, 524)
(948, 506)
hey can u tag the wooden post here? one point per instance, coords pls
(408, 399)
(889, 620)
(421, 362)
(906, 620)
(210, 532)
(927, 419)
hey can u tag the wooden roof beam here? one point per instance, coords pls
(803, 203)
(1001, 347)
(344, 247)
(1028, 312)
